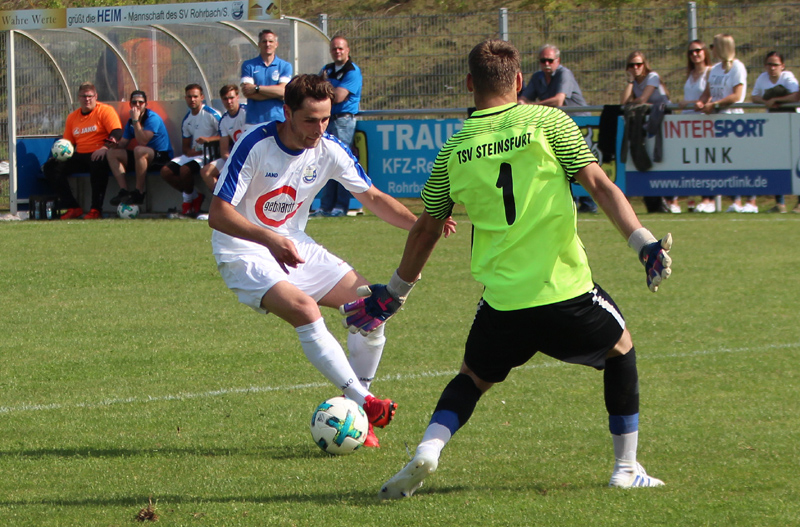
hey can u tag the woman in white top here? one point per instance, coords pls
(774, 76)
(698, 64)
(727, 84)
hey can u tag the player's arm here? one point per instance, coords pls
(340, 94)
(186, 148)
(223, 217)
(557, 100)
(224, 147)
(421, 241)
(386, 208)
(383, 301)
(652, 253)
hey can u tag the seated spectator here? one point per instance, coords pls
(151, 152)
(200, 126)
(773, 87)
(92, 128)
(231, 127)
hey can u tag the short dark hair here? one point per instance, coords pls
(86, 86)
(266, 32)
(228, 87)
(304, 87)
(774, 54)
(134, 93)
(494, 65)
(193, 86)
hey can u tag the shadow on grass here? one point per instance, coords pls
(356, 497)
(275, 453)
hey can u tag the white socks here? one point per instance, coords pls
(324, 352)
(625, 446)
(433, 441)
(365, 354)
(188, 198)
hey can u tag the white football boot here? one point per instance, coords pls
(407, 481)
(628, 475)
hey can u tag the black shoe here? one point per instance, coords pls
(135, 198)
(121, 197)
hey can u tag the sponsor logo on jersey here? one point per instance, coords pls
(276, 207)
(276, 75)
(271, 174)
(309, 174)
(87, 130)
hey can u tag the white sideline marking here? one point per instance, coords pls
(396, 377)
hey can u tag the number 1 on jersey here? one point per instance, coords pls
(506, 182)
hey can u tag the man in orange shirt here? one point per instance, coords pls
(92, 128)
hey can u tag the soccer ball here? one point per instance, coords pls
(127, 212)
(339, 426)
(62, 150)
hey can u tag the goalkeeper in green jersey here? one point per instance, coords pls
(511, 167)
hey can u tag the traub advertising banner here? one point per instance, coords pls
(725, 154)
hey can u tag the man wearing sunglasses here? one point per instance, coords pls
(554, 85)
(152, 151)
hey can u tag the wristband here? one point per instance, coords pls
(400, 287)
(258, 88)
(639, 238)
(134, 120)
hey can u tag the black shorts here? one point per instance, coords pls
(160, 159)
(579, 331)
(175, 168)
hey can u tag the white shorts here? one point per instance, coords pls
(250, 276)
(184, 160)
(218, 164)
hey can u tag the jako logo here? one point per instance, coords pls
(271, 174)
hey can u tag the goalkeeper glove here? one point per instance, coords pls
(381, 302)
(653, 254)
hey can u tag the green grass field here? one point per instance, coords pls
(130, 372)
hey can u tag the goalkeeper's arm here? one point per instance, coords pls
(652, 253)
(383, 301)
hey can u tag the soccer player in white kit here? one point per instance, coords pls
(259, 213)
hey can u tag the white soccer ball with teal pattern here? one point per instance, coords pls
(62, 150)
(339, 426)
(128, 212)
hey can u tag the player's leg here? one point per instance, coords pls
(621, 390)
(98, 180)
(210, 173)
(319, 345)
(364, 351)
(118, 163)
(461, 395)
(142, 157)
(56, 172)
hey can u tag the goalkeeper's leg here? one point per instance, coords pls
(621, 382)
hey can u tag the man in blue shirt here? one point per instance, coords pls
(346, 79)
(152, 151)
(264, 79)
